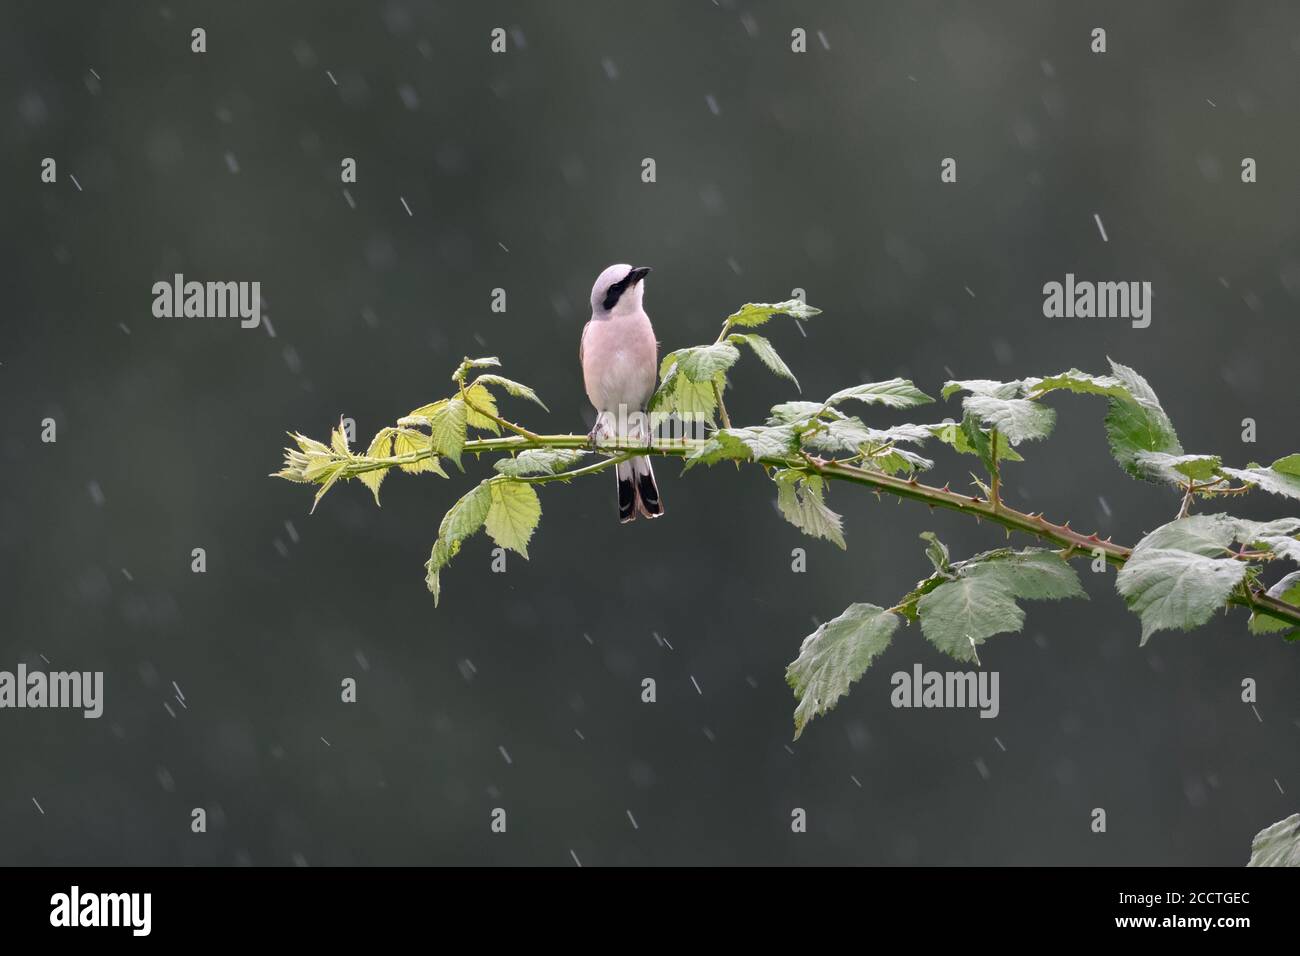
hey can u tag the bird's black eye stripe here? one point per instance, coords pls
(615, 292)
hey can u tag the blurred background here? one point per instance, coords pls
(522, 171)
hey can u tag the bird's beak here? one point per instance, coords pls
(639, 273)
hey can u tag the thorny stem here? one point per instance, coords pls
(1062, 535)
(995, 477)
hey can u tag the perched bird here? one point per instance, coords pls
(620, 359)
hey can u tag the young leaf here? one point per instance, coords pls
(539, 461)
(447, 429)
(1277, 845)
(490, 361)
(408, 441)
(339, 441)
(969, 439)
(757, 313)
(513, 514)
(895, 393)
(834, 656)
(677, 393)
(333, 472)
(465, 517)
(937, 552)
(512, 387)
(380, 447)
(481, 404)
(766, 354)
(799, 497)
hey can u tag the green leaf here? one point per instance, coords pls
(834, 656)
(789, 413)
(490, 361)
(339, 441)
(799, 498)
(408, 441)
(1016, 419)
(958, 616)
(895, 393)
(969, 439)
(447, 426)
(465, 517)
(513, 514)
(766, 354)
(937, 552)
(757, 313)
(743, 444)
(380, 447)
(1280, 478)
(1288, 590)
(982, 386)
(1277, 845)
(539, 461)
(477, 396)
(1176, 469)
(512, 387)
(677, 393)
(703, 363)
(1135, 422)
(1174, 578)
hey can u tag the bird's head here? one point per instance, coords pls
(618, 289)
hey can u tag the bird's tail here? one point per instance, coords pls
(637, 491)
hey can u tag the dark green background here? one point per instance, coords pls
(818, 171)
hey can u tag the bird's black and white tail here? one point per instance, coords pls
(637, 491)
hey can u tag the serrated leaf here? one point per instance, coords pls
(447, 425)
(539, 461)
(1277, 845)
(895, 460)
(464, 518)
(959, 615)
(408, 441)
(490, 361)
(478, 397)
(332, 473)
(1075, 381)
(1288, 590)
(766, 354)
(895, 393)
(757, 313)
(1280, 478)
(380, 447)
(513, 515)
(958, 436)
(1137, 423)
(982, 386)
(339, 441)
(834, 656)
(1176, 469)
(677, 393)
(426, 411)
(309, 445)
(799, 498)
(703, 363)
(1171, 589)
(1016, 419)
(512, 387)
(791, 412)
(744, 444)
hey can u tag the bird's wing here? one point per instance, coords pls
(583, 341)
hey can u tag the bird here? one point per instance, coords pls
(620, 358)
